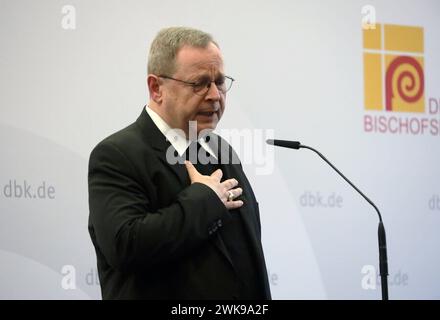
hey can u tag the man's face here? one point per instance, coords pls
(181, 104)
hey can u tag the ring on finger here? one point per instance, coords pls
(230, 196)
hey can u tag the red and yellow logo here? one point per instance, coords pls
(394, 68)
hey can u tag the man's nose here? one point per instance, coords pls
(213, 92)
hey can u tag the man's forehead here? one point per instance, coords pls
(206, 65)
(194, 58)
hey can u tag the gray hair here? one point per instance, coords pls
(168, 42)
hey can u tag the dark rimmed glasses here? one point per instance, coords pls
(201, 86)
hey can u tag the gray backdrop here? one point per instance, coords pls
(74, 72)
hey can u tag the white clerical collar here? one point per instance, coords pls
(178, 141)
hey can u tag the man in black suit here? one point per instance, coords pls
(167, 229)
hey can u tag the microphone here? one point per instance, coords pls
(285, 143)
(383, 262)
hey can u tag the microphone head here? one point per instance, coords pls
(284, 143)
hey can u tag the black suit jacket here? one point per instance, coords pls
(154, 232)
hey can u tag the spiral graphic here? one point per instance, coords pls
(414, 94)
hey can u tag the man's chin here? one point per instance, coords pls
(206, 128)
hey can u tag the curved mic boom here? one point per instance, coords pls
(383, 261)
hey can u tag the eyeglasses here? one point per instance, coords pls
(201, 86)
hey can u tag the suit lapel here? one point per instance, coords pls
(232, 169)
(156, 139)
(248, 214)
(247, 211)
(178, 169)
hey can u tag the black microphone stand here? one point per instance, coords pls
(383, 262)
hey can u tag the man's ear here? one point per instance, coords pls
(154, 88)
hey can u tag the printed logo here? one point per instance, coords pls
(394, 68)
(394, 82)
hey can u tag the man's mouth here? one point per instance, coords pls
(207, 113)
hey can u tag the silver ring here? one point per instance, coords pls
(230, 196)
